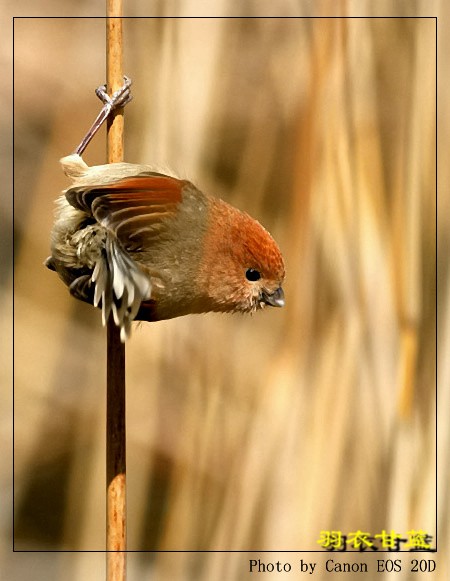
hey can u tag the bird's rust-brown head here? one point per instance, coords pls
(242, 269)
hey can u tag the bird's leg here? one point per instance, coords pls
(118, 99)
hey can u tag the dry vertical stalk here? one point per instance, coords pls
(115, 414)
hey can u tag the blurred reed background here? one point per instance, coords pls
(244, 433)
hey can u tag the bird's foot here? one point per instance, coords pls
(119, 98)
(110, 103)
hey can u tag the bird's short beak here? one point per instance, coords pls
(275, 299)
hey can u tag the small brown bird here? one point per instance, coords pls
(150, 246)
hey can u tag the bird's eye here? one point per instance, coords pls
(252, 275)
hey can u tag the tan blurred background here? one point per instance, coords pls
(244, 433)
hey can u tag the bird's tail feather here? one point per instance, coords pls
(120, 286)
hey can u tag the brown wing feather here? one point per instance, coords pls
(133, 209)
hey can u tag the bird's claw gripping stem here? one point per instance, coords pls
(117, 100)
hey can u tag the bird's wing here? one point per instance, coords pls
(132, 210)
